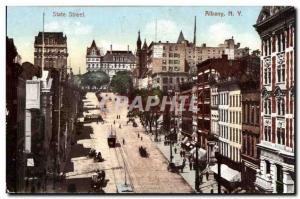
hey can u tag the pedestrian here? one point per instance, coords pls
(175, 150)
(207, 175)
(180, 153)
(191, 165)
(114, 121)
(123, 141)
(141, 138)
(138, 135)
(183, 153)
(211, 190)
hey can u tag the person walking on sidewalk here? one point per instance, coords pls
(191, 165)
(175, 150)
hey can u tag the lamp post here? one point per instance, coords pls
(219, 159)
(170, 134)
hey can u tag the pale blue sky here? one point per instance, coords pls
(119, 26)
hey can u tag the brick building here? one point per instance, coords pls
(276, 27)
(250, 94)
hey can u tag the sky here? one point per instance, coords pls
(119, 26)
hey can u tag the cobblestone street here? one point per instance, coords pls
(145, 175)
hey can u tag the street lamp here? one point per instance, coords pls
(170, 134)
(219, 160)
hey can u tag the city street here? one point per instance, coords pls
(145, 175)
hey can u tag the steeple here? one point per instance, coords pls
(139, 42)
(145, 46)
(195, 28)
(93, 44)
(180, 38)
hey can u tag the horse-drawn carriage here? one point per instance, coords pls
(97, 156)
(143, 152)
(98, 181)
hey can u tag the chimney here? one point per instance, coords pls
(110, 48)
(128, 48)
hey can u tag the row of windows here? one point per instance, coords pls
(52, 50)
(281, 42)
(175, 68)
(250, 113)
(171, 61)
(235, 117)
(280, 74)
(280, 135)
(232, 134)
(171, 55)
(280, 106)
(167, 80)
(249, 145)
(222, 99)
(235, 101)
(229, 151)
(93, 59)
(223, 115)
(110, 66)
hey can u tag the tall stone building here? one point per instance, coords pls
(93, 57)
(276, 26)
(55, 50)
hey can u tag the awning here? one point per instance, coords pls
(227, 173)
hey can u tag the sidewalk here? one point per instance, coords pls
(187, 174)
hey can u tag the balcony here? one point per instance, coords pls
(264, 183)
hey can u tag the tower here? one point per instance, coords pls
(195, 31)
(139, 42)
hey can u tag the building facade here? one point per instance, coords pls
(250, 131)
(93, 57)
(276, 27)
(55, 50)
(117, 60)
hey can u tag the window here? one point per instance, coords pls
(280, 107)
(165, 80)
(280, 42)
(267, 75)
(268, 167)
(267, 133)
(164, 68)
(281, 73)
(257, 115)
(164, 61)
(267, 106)
(281, 136)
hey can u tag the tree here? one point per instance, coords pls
(94, 79)
(149, 117)
(121, 82)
